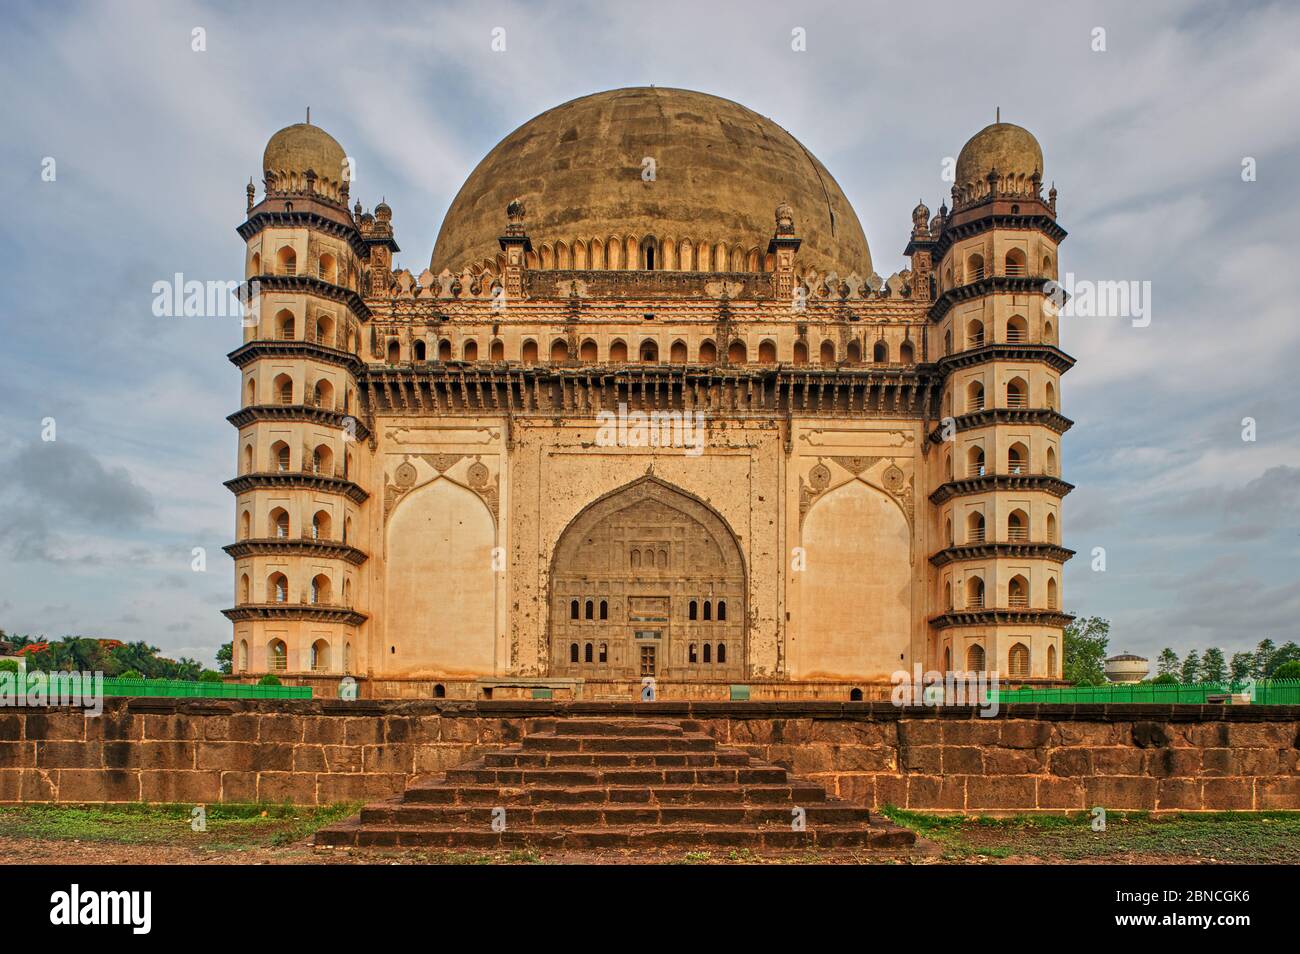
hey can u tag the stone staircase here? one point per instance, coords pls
(585, 783)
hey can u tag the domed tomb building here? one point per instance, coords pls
(650, 413)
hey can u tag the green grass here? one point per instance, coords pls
(1243, 837)
(228, 826)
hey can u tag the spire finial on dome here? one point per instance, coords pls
(308, 115)
(997, 115)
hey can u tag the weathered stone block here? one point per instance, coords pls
(1004, 792)
(1228, 794)
(1132, 792)
(173, 786)
(936, 791)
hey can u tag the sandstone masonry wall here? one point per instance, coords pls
(1028, 758)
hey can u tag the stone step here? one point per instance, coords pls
(594, 775)
(568, 816)
(515, 759)
(620, 727)
(547, 742)
(876, 836)
(442, 793)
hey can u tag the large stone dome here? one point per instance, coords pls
(720, 171)
(1010, 149)
(302, 147)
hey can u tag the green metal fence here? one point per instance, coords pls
(1264, 692)
(201, 690)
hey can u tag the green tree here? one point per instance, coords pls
(1192, 667)
(1264, 657)
(1242, 666)
(225, 657)
(1287, 652)
(1213, 668)
(1288, 670)
(1167, 662)
(1084, 657)
(1165, 678)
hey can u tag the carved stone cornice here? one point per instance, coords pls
(279, 480)
(992, 551)
(338, 224)
(992, 482)
(964, 224)
(1050, 355)
(296, 546)
(988, 285)
(1000, 616)
(275, 348)
(1046, 417)
(314, 612)
(305, 413)
(310, 285)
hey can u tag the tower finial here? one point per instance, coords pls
(997, 115)
(308, 115)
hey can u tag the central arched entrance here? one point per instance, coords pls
(648, 581)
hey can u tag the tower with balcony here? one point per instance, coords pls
(300, 515)
(995, 458)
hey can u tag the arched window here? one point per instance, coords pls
(1017, 393)
(243, 655)
(1017, 330)
(604, 653)
(722, 613)
(693, 611)
(1015, 263)
(604, 609)
(1017, 526)
(649, 351)
(280, 454)
(470, 350)
(722, 652)
(320, 526)
(591, 610)
(679, 353)
(1018, 592)
(320, 588)
(974, 593)
(1017, 459)
(975, 462)
(573, 652)
(766, 352)
(529, 353)
(691, 654)
(444, 350)
(323, 394)
(853, 353)
(255, 266)
(587, 352)
(1052, 594)
(277, 656)
(277, 588)
(855, 694)
(618, 350)
(574, 610)
(947, 531)
(975, 333)
(975, 527)
(1051, 662)
(1051, 396)
(286, 261)
(708, 352)
(828, 353)
(634, 558)
(947, 659)
(328, 269)
(559, 350)
(737, 353)
(586, 653)
(394, 351)
(708, 651)
(708, 610)
(907, 353)
(975, 397)
(419, 350)
(244, 588)
(498, 350)
(947, 341)
(251, 392)
(245, 525)
(880, 353)
(284, 389)
(246, 466)
(280, 521)
(1018, 661)
(974, 267)
(320, 656)
(800, 352)
(1051, 461)
(1051, 528)
(975, 658)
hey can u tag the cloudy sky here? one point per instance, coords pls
(153, 143)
